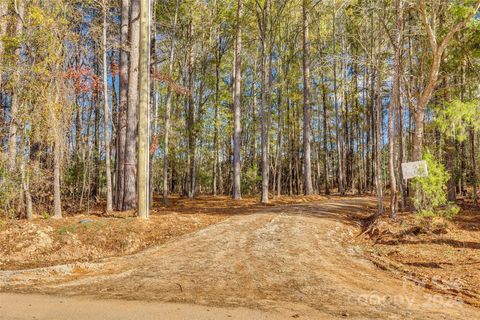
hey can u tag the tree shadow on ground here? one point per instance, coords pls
(347, 210)
(449, 242)
(469, 218)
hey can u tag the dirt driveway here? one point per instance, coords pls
(292, 261)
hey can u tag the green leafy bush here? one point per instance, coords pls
(430, 199)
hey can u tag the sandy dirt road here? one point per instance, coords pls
(19, 307)
(292, 261)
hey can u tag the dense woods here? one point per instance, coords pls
(100, 99)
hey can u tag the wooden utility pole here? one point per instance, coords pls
(143, 114)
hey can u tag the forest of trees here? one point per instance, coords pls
(244, 97)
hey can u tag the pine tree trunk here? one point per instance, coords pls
(401, 157)
(307, 135)
(378, 138)
(26, 176)
(373, 127)
(191, 117)
(394, 107)
(281, 125)
(473, 156)
(254, 114)
(236, 108)
(216, 164)
(122, 114)
(290, 148)
(96, 143)
(153, 102)
(339, 134)
(168, 109)
(325, 137)
(263, 94)
(57, 193)
(3, 31)
(106, 112)
(12, 134)
(130, 164)
(451, 154)
(391, 158)
(166, 142)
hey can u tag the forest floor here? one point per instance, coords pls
(300, 257)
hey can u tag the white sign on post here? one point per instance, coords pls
(416, 169)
